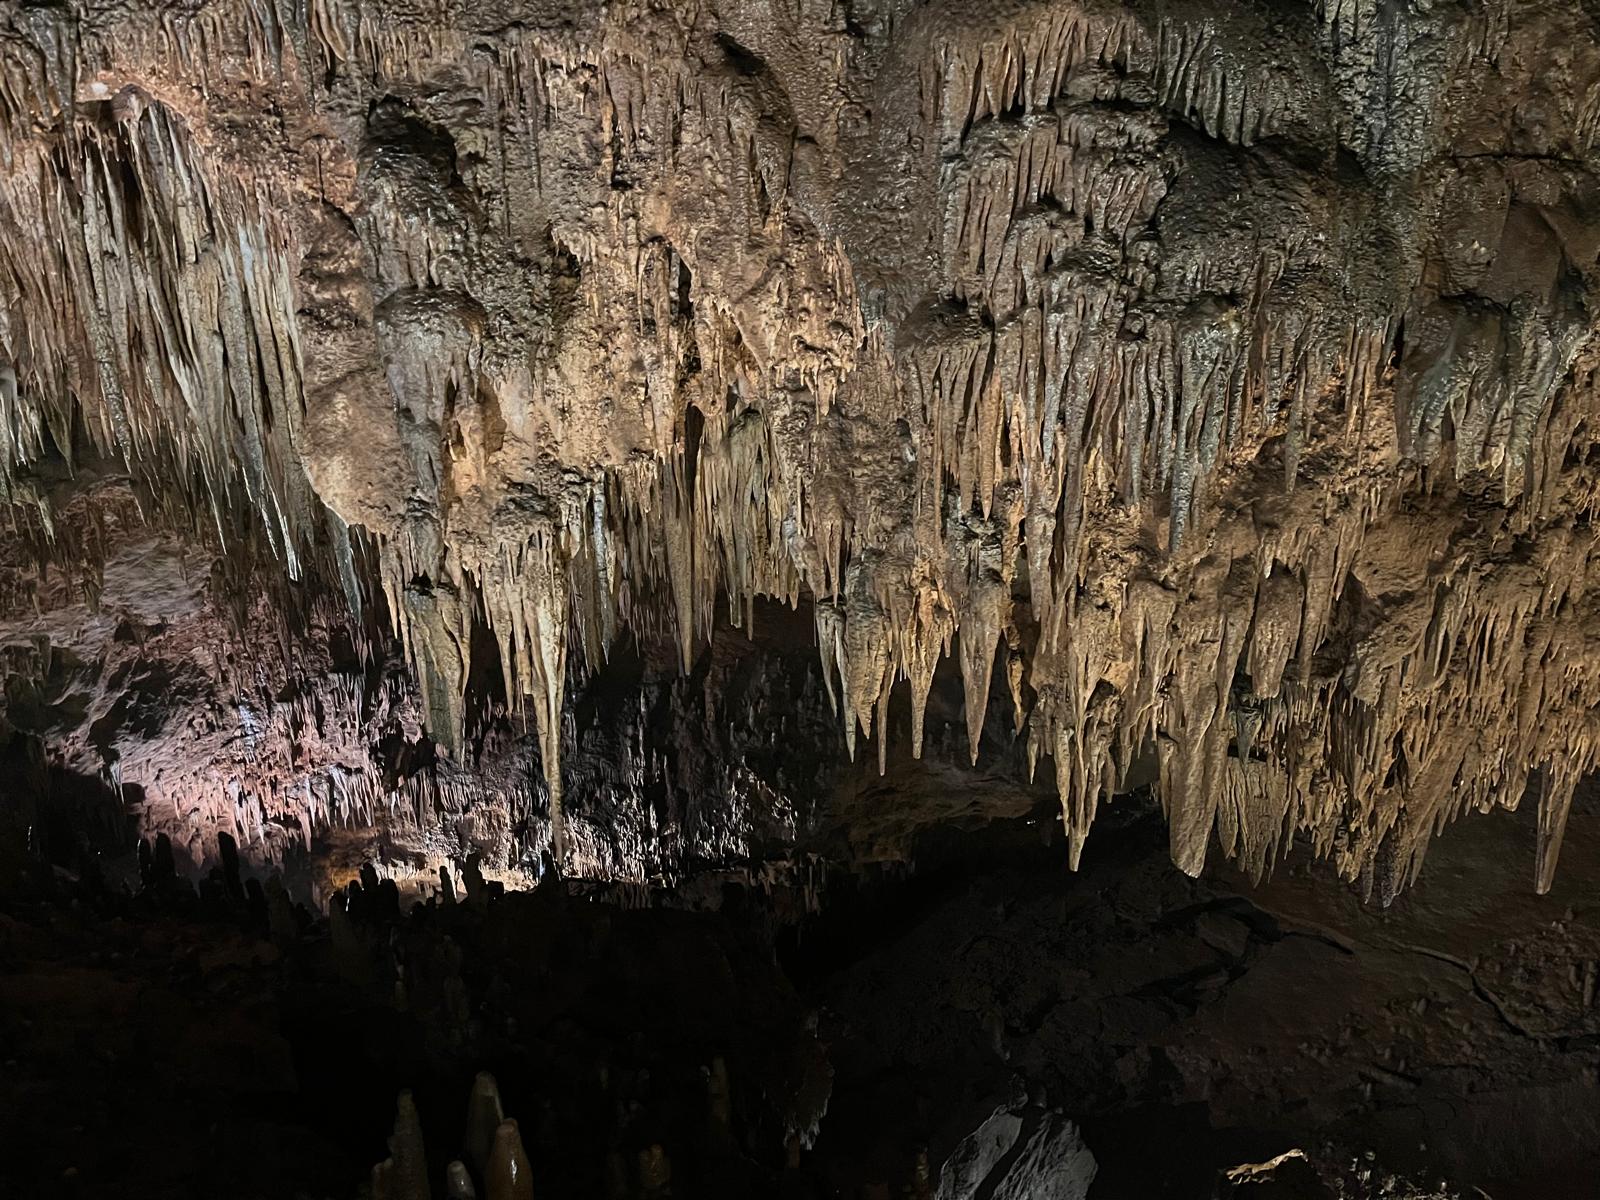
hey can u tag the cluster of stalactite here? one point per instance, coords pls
(1206, 370)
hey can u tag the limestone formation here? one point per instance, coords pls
(1217, 377)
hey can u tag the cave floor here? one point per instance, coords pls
(164, 1048)
(1190, 1025)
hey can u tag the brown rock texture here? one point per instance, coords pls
(1218, 376)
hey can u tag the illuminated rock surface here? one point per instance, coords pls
(1214, 380)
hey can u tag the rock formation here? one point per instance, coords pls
(1217, 378)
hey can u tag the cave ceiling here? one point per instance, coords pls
(608, 435)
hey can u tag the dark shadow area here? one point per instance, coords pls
(217, 1040)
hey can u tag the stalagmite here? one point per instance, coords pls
(655, 1171)
(484, 1116)
(508, 1175)
(408, 1179)
(383, 1181)
(458, 1184)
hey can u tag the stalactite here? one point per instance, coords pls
(589, 333)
